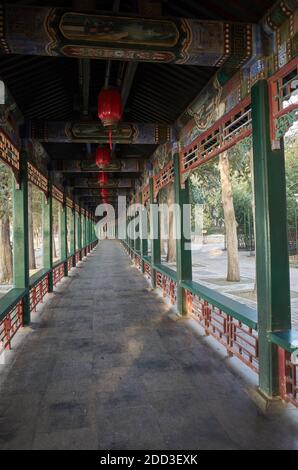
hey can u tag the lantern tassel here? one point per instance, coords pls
(110, 139)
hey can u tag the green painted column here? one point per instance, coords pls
(47, 214)
(94, 229)
(72, 234)
(143, 233)
(74, 240)
(20, 235)
(131, 242)
(183, 252)
(155, 229)
(272, 260)
(132, 225)
(80, 238)
(84, 233)
(87, 234)
(63, 236)
(89, 231)
(127, 224)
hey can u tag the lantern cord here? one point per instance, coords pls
(110, 139)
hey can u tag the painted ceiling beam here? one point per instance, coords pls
(93, 193)
(47, 31)
(128, 165)
(94, 132)
(83, 184)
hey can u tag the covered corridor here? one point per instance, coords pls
(149, 224)
(105, 367)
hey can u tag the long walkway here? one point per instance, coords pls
(107, 368)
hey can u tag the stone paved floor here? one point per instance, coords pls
(106, 368)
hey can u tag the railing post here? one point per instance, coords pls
(183, 252)
(47, 214)
(20, 235)
(63, 235)
(155, 232)
(272, 262)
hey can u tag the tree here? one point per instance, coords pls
(233, 273)
(5, 218)
(204, 185)
(291, 167)
(166, 197)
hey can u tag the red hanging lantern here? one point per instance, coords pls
(103, 156)
(110, 109)
(103, 178)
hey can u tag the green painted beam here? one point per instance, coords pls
(20, 236)
(241, 312)
(272, 260)
(37, 277)
(9, 300)
(183, 255)
(167, 271)
(287, 339)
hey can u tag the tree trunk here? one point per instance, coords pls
(230, 219)
(5, 251)
(171, 257)
(251, 165)
(32, 263)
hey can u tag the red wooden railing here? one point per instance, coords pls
(38, 291)
(10, 324)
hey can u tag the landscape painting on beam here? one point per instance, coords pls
(129, 165)
(59, 32)
(94, 132)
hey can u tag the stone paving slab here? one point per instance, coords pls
(104, 367)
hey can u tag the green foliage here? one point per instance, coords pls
(205, 188)
(291, 164)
